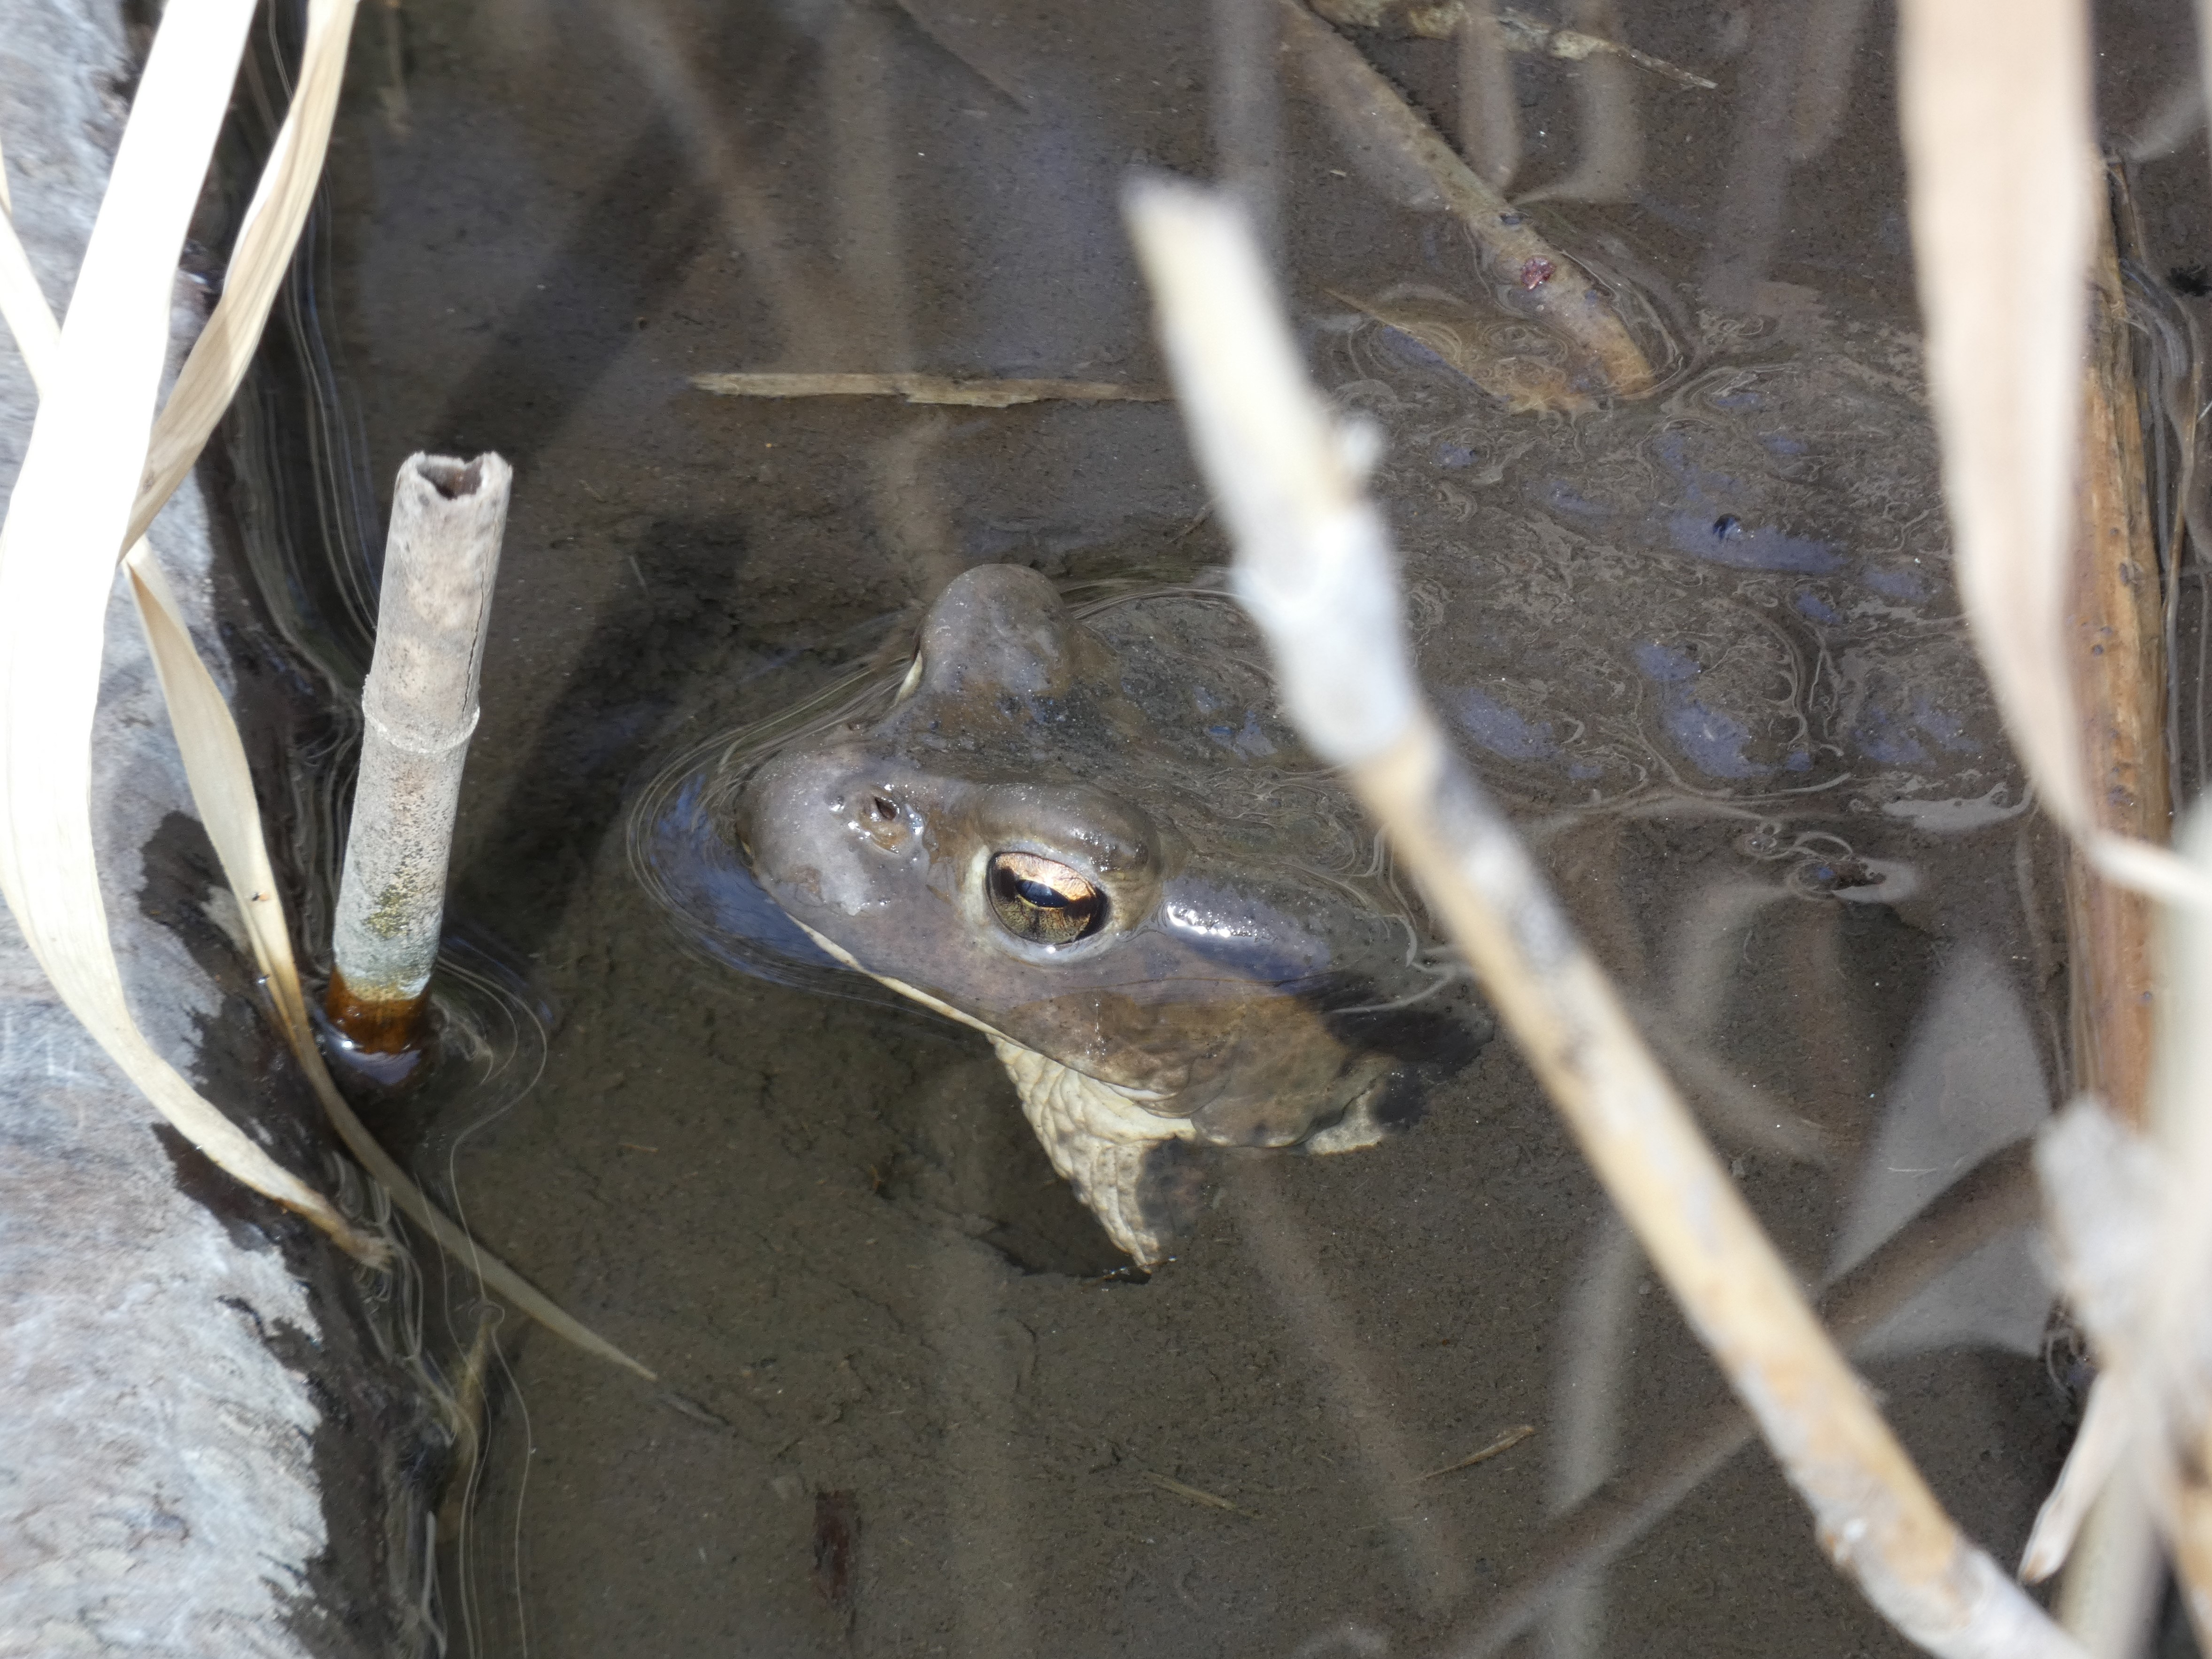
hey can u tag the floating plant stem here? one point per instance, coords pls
(928, 389)
(420, 707)
(1317, 569)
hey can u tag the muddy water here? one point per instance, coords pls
(906, 1403)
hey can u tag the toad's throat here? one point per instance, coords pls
(1104, 1140)
(1101, 1139)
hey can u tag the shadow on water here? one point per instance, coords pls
(649, 647)
(632, 241)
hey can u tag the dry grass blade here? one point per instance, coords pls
(65, 518)
(219, 358)
(928, 389)
(2097, 1445)
(222, 789)
(1316, 568)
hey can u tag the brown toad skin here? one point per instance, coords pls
(1228, 986)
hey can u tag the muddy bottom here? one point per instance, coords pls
(909, 1399)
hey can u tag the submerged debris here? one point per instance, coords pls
(836, 1549)
(1466, 340)
(1212, 1500)
(1397, 148)
(928, 389)
(1505, 1442)
(1440, 19)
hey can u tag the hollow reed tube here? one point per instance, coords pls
(419, 707)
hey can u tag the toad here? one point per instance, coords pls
(1086, 832)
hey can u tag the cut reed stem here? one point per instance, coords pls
(420, 706)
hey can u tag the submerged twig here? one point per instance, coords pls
(1316, 568)
(1211, 1500)
(928, 389)
(1388, 132)
(1505, 1443)
(1518, 31)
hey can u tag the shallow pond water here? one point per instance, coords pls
(1704, 646)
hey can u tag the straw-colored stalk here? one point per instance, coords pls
(1994, 97)
(1316, 568)
(52, 555)
(1376, 118)
(2116, 639)
(420, 709)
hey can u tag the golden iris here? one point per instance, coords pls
(1042, 900)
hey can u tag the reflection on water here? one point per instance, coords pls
(1704, 643)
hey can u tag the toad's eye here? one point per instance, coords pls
(1044, 901)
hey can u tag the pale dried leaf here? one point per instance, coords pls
(65, 518)
(263, 255)
(2003, 176)
(2098, 1448)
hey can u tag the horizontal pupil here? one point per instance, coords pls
(1043, 897)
